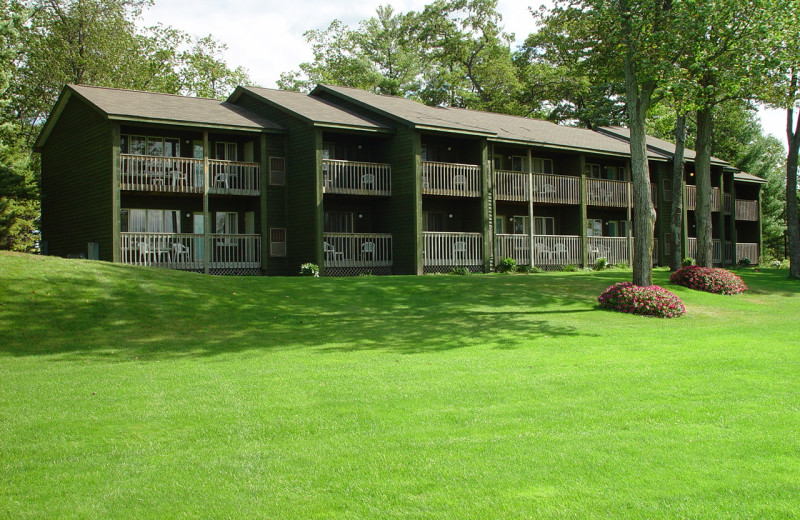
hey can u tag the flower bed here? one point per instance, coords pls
(647, 301)
(708, 279)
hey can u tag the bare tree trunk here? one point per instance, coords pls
(676, 221)
(792, 229)
(702, 172)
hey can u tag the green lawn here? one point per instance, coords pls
(143, 393)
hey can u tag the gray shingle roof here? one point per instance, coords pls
(659, 145)
(498, 126)
(310, 108)
(748, 177)
(168, 108)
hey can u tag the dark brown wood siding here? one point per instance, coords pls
(77, 183)
(404, 207)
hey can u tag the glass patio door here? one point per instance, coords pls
(198, 228)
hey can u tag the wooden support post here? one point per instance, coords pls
(116, 208)
(584, 250)
(629, 216)
(685, 238)
(206, 212)
(486, 215)
(530, 209)
(264, 181)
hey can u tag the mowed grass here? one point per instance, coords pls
(142, 393)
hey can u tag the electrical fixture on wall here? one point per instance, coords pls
(360, 215)
(450, 215)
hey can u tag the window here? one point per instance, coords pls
(521, 224)
(338, 222)
(499, 225)
(277, 242)
(539, 165)
(150, 145)
(592, 171)
(227, 151)
(666, 185)
(498, 162)
(594, 227)
(544, 226)
(518, 163)
(277, 171)
(227, 223)
(613, 228)
(623, 228)
(617, 173)
(424, 153)
(328, 150)
(150, 221)
(432, 221)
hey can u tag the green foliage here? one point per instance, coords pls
(529, 269)
(309, 269)
(708, 279)
(569, 268)
(460, 271)
(506, 265)
(743, 262)
(600, 264)
(652, 300)
(687, 262)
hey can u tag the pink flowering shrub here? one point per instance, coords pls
(647, 301)
(709, 279)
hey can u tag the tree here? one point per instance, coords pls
(630, 41)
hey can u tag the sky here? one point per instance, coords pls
(266, 36)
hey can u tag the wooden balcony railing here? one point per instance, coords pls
(728, 203)
(556, 250)
(235, 251)
(459, 180)
(161, 174)
(716, 244)
(747, 210)
(558, 189)
(356, 178)
(357, 249)
(234, 178)
(602, 192)
(452, 249)
(748, 251)
(691, 198)
(613, 249)
(513, 246)
(172, 250)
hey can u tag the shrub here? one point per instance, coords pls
(601, 263)
(776, 264)
(459, 271)
(569, 268)
(687, 261)
(647, 301)
(621, 265)
(709, 279)
(309, 269)
(529, 269)
(744, 262)
(506, 265)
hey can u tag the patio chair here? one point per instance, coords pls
(144, 252)
(368, 179)
(179, 252)
(547, 190)
(331, 253)
(460, 182)
(542, 252)
(368, 248)
(460, 250)
(560, 251)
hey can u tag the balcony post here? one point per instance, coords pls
(584, 250)
(116, 205)
(685, 238)
(206, 215)
(486, 215)
(629, 215)
(721, 216)
(732, 216)
(530, 207)
(262, 207)
(760, 230)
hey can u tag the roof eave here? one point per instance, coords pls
(215, 126)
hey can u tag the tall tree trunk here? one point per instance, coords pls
(676, 220)
(702, 173)
(638, 101)
(792, 224)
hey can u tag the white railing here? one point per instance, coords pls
(602, 192)
(510, 185)
(460, 180)
(747, 250)
(513, 246)
(613, 249)
(455, 249)
(161, 174)
(172, 250)
(357, 249)
(747, 210)
(691, 198)
(716, 249)
(556, 250)
(729, 253)
(234, 178)
(356, 178)
(235, 251)
(560, 189)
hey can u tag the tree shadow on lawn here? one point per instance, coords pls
(118, 312)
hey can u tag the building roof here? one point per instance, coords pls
(658, 145)
(312, 109)
(492, 125)
(154, 107)
(748, 177)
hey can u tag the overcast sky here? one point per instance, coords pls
(266, 36)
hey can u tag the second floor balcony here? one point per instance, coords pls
(153, 173)
(747, 210)
(356, 178)
(458, 180)
(541, 187)
(691, 198)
